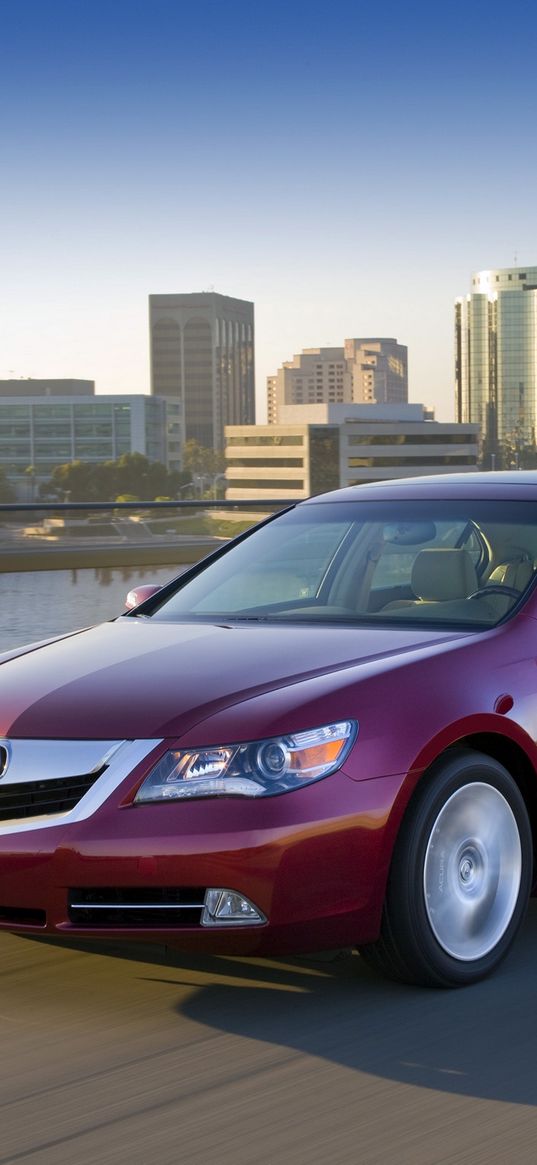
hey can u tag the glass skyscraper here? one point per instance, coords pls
(496, 357)
(202, 355)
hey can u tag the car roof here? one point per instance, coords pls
(521, 484)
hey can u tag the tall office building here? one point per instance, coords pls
(364, 371)
(496, 356)
(202, 355)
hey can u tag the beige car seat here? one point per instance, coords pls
(439, 575)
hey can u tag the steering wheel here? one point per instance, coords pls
(496, 589)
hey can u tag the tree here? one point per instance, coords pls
(132, 473)
(510, 453)
(204, 468)
(7, 493)
(31, 473)
(198, 460)
(528, 457)
(73, 482)
(137, 475)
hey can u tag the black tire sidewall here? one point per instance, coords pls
(426, 959)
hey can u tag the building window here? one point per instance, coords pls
(257, 462)
(269, 440)
(263, 483)
(398, 462)
(413, 439)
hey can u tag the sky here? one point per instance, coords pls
(346, 166)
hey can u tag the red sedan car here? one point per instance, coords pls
(323, 735)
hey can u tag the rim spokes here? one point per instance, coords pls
(472, 871)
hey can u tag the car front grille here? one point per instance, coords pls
(135, 907)
(59, 780)
(35, 798)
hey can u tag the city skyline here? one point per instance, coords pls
(270, 157)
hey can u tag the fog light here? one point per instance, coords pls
(226, 906)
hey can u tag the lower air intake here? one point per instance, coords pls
(136, 907)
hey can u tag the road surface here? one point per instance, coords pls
(110, 1058)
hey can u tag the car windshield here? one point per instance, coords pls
(458, 564)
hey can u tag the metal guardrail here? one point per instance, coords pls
(184, 504)
(128, 534)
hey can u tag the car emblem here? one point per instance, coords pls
(4, 759)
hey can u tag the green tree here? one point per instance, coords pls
(146, 479)
(7, 494)
(528, 457)
(30, 474)
(197, 459)
(72, 482)
(205, 468)
(132, 473)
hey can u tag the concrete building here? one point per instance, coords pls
(496, 357)
(42, 430)
(322, 447)
(367, 371)
(202, 356)
(27, 386)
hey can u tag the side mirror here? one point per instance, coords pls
(139, 595)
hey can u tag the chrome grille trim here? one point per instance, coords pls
(135, 907)
(5, 754)
(119, 758)
(43, 760)
(138, 906)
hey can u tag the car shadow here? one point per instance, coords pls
(476, 1042)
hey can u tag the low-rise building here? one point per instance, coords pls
(322, 447)
(28, 386)
(42, 429)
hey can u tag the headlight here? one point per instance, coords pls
(259, 769)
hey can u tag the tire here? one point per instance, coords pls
(460, 878)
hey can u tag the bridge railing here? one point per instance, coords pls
(56, 535)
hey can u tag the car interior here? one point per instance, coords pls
(453, 570)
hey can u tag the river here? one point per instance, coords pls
(37, 604)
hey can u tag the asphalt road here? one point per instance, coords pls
(153, 1061)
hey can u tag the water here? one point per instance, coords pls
(39, 604)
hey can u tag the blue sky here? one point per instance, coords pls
(345, 166)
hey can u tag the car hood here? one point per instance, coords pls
(135, 678)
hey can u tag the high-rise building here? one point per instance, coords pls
(363, 371)
(202, 355)
(496, 356)
(379, 371)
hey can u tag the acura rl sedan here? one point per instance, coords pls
(321, 736)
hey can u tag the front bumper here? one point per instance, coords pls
(313, 862)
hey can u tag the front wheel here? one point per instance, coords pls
(460, 878)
